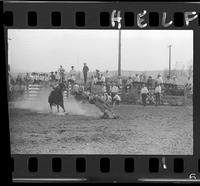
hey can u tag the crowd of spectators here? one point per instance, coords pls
(150, 88)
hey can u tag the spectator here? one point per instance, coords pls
(168, 80)
(158, 93)
(174, 80)
(189, 84)
(52, 77)
(141, 77)
(103, 79)
(61, 71)
(114, 90)
(137, 78)
(108, 87)
(107, 76)
(116, 100)
(159, 79)
(144, 78)
(150, 82)
(27, 80)
(119, 81)
(72, 73)
(72, 79)
(108, 99)
(85, 71)
(129, 81)
(97, 74)
(144, 92)
(150, 97)
(57, 77)
(95, 79)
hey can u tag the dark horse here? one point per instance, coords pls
(56, 97)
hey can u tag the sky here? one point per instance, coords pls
(40, 50)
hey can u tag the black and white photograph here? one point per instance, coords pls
(120, 92)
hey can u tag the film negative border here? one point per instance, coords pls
(117, 168)
(112, 168)
(96, 15)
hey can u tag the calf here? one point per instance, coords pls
(56, 98)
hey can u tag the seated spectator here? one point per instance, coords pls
(109, 99)
(129, 81)
(168, 80)
(52, 77)
(116, 100)
(97, 74)
(57, 77)
(76, 88)
(144, 92)
(71, 79)
(174, 80)
(114, 90)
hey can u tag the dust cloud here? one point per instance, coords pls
(40, 104)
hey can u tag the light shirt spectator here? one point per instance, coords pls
(109, 98)
(117, 97)
(107, 74)
(137, 79)
(158, 89)
(159, 80)
(114, 89)
(72, 72)
(103, 79)
(144, 90)
(129, 81)
(57, 76)
(174, 81)
(104, 88)
(76, 88)
(168, 81)
(95, 80)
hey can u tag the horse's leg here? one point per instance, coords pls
(50, 107)
(62, 107)
(58, 108)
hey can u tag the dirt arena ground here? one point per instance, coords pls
(140, 130)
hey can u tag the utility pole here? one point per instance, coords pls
(170, 46)
(119, 54)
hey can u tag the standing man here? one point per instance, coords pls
(107, 76)
(61, 71)
(144, 92)
(85, 71)
(158, 93)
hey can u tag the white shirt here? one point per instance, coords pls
(114, 89)
(144, 90)
(117, 97)
(158, 89)
(109, 98)
(159, 80)
(76, 88)
(174, 81)
(137, 79)
(103, 78)
(107, 75)
(72, 72)
(57, 76)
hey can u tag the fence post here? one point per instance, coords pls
(185, 96)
